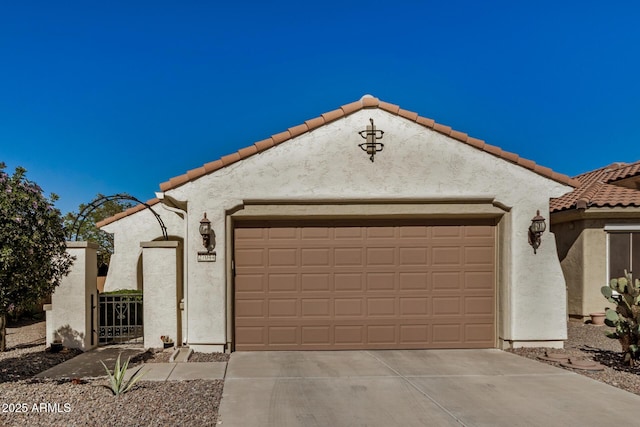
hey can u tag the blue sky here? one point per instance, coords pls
(114, 97)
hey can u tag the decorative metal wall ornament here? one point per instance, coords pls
(536, 229)
(371, 135)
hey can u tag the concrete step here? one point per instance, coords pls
(181, 354)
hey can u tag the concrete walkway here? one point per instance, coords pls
(413, 388)
(87, 365)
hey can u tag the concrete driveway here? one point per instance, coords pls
(413, 388)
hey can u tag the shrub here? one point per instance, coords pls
(625, 318)
(117, 384)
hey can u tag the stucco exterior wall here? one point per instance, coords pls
(570, 251)
(326, 166)
(70, 316)
(583, 256)
(161, 301)
(125, 270)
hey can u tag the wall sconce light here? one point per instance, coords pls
(208, 238)
(536, 229)
(371, 135)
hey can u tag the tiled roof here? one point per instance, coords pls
(365, 102)
(598, 189)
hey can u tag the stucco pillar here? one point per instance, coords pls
(161, 272)
(71, 313)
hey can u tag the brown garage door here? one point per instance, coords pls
(333, 285)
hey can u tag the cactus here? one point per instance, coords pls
(626, 316)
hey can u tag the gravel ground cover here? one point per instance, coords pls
(78, 402)
(589, 342)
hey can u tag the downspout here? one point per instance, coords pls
(185, 262)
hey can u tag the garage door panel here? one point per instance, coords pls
(380, 233)
(413, 281)
(345, 282)
(381, 281)
(414, 306)
(446, 306)
(316, 335)
(380, 257)
(280, 257)
(447, 281)
(282, 282)
(381, 307)
(413, 256)
(414, 232)
(415, 334)
(479, 333)
(349, 334)
(251, 308)
(316, 307)
(250, 283)
(485, 231)
(447, 334)
(282, 233)
(381, 334)
(340, 286)
(479, 255)
(283, 336)
(348, 307)
(285, 307)
(447, 256)
(315, 233)
(251, 336)
(440, 232)
(250, 257)
(479, 280)
(315, 257)
(250, 234)
(349, 257)
(481, 305)
(315, 282)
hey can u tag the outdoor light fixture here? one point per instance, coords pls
(536, 229)
(205, 232)
(371, 135)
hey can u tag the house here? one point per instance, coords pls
(368, 227)
(597, 228)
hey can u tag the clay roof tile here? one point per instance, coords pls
(391, 108)
(598, 188)
(333, 115)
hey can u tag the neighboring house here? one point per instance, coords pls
(318, 246)
(597, 228)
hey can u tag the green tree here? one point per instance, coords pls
(33, 256)
(92, 213)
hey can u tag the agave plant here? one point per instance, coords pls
(117, 384)
(625, 293)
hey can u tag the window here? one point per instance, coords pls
(623, 252)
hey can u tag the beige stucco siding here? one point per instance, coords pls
(125, 269)
(582, 249)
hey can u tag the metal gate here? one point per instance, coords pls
(120, 318)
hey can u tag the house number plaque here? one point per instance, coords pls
(206, 257)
